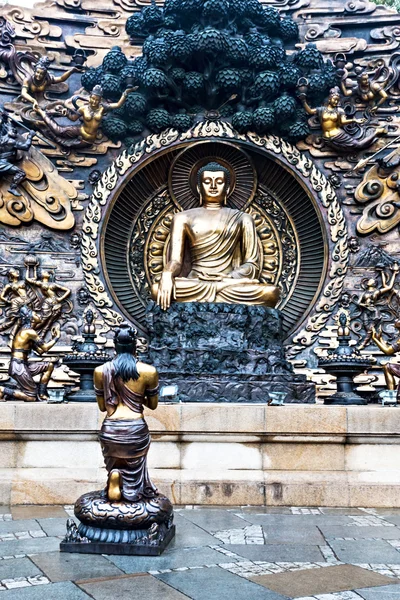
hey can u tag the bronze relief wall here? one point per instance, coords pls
(99, 216)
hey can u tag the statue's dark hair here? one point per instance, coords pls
(213, 167)
(125, 363)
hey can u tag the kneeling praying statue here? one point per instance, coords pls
(124, 386)
(129, 516)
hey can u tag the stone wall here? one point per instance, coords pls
(212, 454)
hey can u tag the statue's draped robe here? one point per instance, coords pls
(231, 244)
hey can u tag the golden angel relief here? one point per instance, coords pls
(42, 195)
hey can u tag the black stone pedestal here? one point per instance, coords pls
(142, 546)
(345, 362)
(223, 353)
(86, 356)
(86, 392)
(345, 373)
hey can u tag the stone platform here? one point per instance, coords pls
(223, 353)
(215, 454)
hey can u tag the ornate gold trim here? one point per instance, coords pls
(290, 157)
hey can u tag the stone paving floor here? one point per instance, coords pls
(245, 553)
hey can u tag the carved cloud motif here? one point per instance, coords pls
(379, 193)
(45, 195)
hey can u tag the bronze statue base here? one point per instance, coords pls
(144, 527)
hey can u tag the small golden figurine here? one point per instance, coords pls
(332, 118)
(371, 316)
(15, 295)
(370, 91)
(26, 340)
(41, 80)
(224, 251)
(390, 370)
(90, 111)
(51, 306)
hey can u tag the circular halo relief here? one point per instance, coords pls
(184, 169)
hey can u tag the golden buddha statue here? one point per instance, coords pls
(225, 256)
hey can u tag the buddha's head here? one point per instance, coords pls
(213, 181)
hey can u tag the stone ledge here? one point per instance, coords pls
(204, 418)
(230, 488)
(211, 454)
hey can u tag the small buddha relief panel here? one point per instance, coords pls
(136, 243)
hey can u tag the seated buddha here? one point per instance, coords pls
(225, 257)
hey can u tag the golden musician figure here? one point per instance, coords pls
(225, 257)
(391, 370)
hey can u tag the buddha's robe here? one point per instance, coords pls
(225, 258)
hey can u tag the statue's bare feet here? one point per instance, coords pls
(42, 395)
(114, 486)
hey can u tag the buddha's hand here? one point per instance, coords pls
(166, 290)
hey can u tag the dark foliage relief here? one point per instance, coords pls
(199, 56)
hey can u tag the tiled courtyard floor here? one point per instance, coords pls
(218, 554)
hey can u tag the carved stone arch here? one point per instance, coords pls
(133, 194)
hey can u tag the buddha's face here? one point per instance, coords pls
(213, 186)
